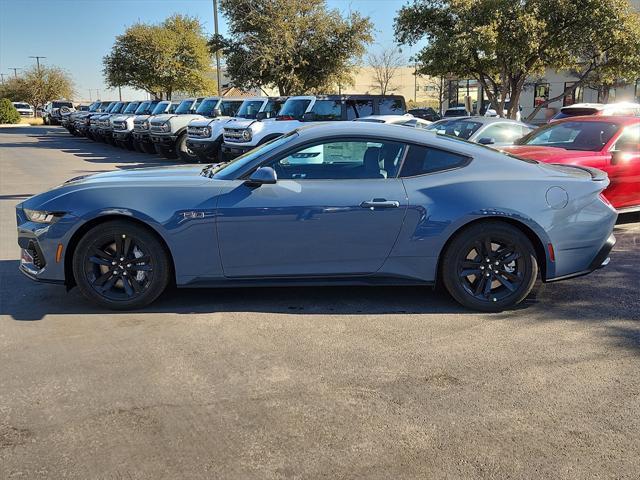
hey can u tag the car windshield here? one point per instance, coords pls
(249, 108)
(229, 170)
(585, 136)
(185, 106)
(132, 107)
(117, 108)
(207, 106)
(293, 109)
(160, 108)
(94, 106)
(455, 128)
(146, 108)
(21, 105)
(62, 104)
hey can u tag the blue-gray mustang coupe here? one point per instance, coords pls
(346, 203)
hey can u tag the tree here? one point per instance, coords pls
(39, 86)
(501, 43)
(385, 65)
(8, 113)
(297, 46)
(161, 59)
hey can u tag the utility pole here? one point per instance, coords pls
(120, 92)
(15, 71)
(90, 100)
(415, 81)
(37, 60)
(215, 31)
(2, 76)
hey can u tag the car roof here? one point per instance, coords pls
(387, 118)
(618, 119)
(482, 120)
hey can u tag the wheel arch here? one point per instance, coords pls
(85, 227)
(534, 238)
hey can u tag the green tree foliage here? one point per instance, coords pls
(8, 113)
(161, 59)
(501, 43)
(297, 46)
(38, 86)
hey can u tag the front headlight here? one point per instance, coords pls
(165, 127)
(206, 132)
(246, 135)
(145, 125)
(42, 217)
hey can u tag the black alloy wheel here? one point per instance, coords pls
(184, 152)
(121, 265)
(490, 266)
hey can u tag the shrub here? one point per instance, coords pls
(8, 113)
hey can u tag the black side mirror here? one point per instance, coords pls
(486, 141)
(261, 116)
(309, 117)
(262, 176)
(217, 112)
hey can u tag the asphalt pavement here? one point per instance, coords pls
(306, 383)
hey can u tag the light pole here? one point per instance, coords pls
(37, 60)
(15, 71)
(215, 31)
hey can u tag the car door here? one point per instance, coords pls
(624, 169)
(336, 209)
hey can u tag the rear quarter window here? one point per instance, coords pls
(423, 160)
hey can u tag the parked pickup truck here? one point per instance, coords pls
(169, 132)
(141, 138)
(100, 124)
(123, 124)
(242, 135)
(204, 136)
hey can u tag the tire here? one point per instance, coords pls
(491, 250)
(183, 151)
(168, 153)
(133, 282)
(45, 120)
(137, 146)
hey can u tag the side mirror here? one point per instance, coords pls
(261, 116)
(262, 176)
(309, 117)
(486, 141)
(217, 112)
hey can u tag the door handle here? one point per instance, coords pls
(380, 203)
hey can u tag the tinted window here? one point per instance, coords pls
(185, 106)
(160, 108)
(587, 136)
(273, 107)
(230, 107)
(359, 108)
(391, 106)
(132, 107)
(456, 128)
(340, 160)
(117, 108)
(422, 160)
(629, 141)
(207, 106)
(62, 104)
(146, 108)
(327, 110)
(249, 108)
(293, 109)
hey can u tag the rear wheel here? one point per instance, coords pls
(121, 265)
(490, 266)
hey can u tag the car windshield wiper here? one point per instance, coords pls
(211, 169)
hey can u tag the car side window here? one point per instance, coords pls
(629, 140)
(327, 109)
(359, 108)
(503, 132)
(341, 160)
(390, 106)
(422, 160)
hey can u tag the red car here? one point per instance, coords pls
(609, 143)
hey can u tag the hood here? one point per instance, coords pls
(204, 122)
(141, 118)
(241, 122)
(163, 117)
(170, 176)
(548, 154)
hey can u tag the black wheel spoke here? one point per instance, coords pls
(96, 252)
(488, 251)
(128, 289)
(510, 276)
(107, 286)
(100, 281)
(510, 286)
(487, 287)
(141, 268)
(127, 246)
(511, 257)
(479, 285)
(470, 271)
(119, 245)
(470, 264)
(135, 285)
(100, 261)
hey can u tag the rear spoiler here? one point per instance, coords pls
(596, 174)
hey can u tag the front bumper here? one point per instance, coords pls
(232, 151)
(601, 260)
(122, 135)
(164, 140)
(203, 147)
(142, 137)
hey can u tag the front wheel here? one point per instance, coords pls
(490, 266)
(121, 265)
(184, 152)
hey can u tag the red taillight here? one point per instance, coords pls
(605, 200)
(552, 254)
(284, 117)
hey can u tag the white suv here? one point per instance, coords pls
(205, 135)
(242, 135)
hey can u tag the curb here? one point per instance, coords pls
(14, 125)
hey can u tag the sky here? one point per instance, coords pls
(76, 34)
